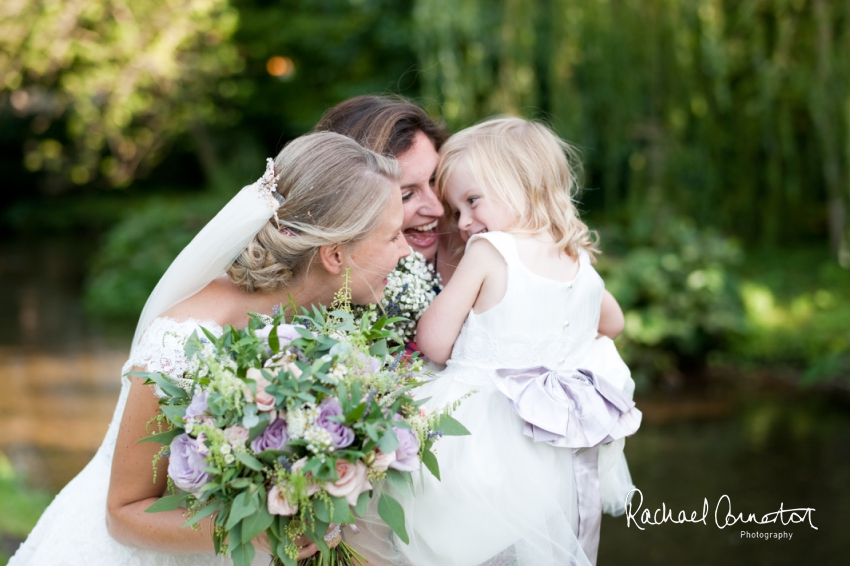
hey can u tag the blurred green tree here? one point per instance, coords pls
(735, 113)
(125, 78)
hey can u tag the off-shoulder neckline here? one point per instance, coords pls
(190, 320)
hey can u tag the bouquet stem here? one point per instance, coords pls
(340, 555)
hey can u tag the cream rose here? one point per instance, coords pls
(278, 505)
(352, 481)
(383, 461)
(236, 435)
(265, 401)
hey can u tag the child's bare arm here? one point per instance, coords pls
(611, 320)
(441, 322)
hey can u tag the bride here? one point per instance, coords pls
(327, 205)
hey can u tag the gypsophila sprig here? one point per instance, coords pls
(411, 287)
(290, 428)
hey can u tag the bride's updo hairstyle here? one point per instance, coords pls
(335, 191)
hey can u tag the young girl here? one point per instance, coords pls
(519, 324)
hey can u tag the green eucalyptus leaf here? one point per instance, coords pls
(317, 536)
(274, 340)
(362, 503)
(321, 509)
(430, 462)
(254, 524)
(174, 413)
(243, 554)
(379, 349)
(248, 460)
(398, 481)
(392, 513)
(450, 426)
(388, 442)
(242, 506)
(163, 437)
(167, 503)
(203, 512)
(341, 511)
(169, 388)
(356, 413)
(193, 345)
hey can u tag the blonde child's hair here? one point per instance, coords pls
(529, 169)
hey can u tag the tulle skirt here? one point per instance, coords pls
(503, 498)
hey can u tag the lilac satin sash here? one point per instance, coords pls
(577, 410)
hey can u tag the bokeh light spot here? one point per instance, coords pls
(281, 67)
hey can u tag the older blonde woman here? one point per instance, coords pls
(327, 205)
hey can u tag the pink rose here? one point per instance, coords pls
(278, 505)
(352, 481)
(236, 435)
(312, 487)
(265, 401)
(383, 461)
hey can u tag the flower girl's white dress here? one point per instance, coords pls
(505, 499)
(72, 531)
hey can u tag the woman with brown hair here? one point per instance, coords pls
(395, 127)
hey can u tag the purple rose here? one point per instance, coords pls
(407, 453)
(341, 435)
(186, 464)
(198, 406)
(286, 333)
(274, 437)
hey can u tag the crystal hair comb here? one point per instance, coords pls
(268, 185)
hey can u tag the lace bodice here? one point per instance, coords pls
(161, 347)
(539, 321)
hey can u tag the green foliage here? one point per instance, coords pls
(20, 505)
(138, 250)
(735, 113)
(392, 513)
(338, 48)
(677, 288)
(125, 78)
(796, 317)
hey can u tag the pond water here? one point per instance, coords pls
(762, 447)
(59, 369)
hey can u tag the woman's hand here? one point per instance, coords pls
(261, 543)
(306, 548)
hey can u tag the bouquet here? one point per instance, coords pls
(291, 429)
(411, 287)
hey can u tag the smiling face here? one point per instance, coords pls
(422, 208)
(373, 258)
(475, 209)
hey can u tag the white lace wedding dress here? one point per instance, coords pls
(72, 531)
(505, 499)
